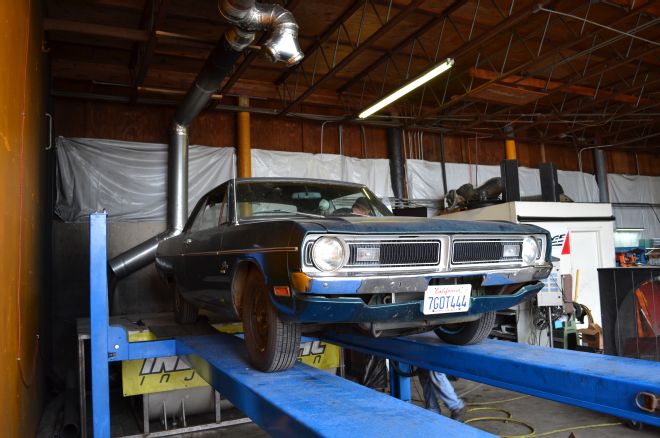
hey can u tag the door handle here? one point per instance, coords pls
(187, 241)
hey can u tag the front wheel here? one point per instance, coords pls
(272, 344)
(467, 333)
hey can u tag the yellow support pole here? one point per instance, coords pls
(543, 153)
(244, 145)
(510, 145)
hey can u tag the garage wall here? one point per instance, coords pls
(75, 118)
(22, 213)
(117, 121)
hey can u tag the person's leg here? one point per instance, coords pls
(431, 391)
(445, 391)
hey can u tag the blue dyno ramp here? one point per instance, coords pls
(307, 402)
(602, 383)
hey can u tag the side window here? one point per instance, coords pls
(213, 213)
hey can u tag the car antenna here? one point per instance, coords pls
(233, 175)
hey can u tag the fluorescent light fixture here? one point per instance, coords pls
(407, 88)
(629, 229)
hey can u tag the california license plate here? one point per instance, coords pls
(451, 298)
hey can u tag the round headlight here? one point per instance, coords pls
(530, 250)
(328, 254)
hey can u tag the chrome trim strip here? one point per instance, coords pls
(491, 277)
(245, 251)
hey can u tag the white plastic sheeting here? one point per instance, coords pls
(374, 173)
(127, 179)
(425, 180)
(579, 186)
(636, 189)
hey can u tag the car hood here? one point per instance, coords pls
(402, 224)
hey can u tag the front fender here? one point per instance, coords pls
(273, 269)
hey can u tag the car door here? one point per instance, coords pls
(201, 245)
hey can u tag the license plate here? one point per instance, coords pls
(450, 298)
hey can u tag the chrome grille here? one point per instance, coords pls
(466, 252)
(396, 253)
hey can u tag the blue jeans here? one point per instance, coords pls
(436, 387)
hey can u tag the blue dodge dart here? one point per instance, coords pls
(291, 255)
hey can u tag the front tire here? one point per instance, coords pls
(272, 344)
(184, 311)
(467, 333)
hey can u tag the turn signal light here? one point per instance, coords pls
(282, 291)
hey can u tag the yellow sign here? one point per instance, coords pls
(169, 373)
(158, 374)
(319, 354)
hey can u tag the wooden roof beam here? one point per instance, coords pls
(435, 21)
(57, 25)
(153, 17)
(543, 84)
(504, 25)
(393, 22)
(119, 76)
(325, 36)
(557, 50)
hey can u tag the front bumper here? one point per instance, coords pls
(312, 308)
(417, 282)
(327, 299)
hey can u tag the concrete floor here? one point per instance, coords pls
(547, 418)
(543, 415)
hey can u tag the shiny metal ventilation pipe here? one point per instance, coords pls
(281, 45)
(177, 207)
(216, 68)
(177, 180)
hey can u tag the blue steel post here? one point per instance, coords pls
(400, 385)
(98, 309)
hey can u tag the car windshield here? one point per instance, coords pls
(259, 199)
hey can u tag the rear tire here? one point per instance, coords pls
(467, 333)
(272, 344)
(184, 311)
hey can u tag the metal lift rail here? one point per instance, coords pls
(613, 385)
(307, 402)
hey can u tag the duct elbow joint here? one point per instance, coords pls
(283, 45)
(250, 17)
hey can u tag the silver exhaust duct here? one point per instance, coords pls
(281, 45)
